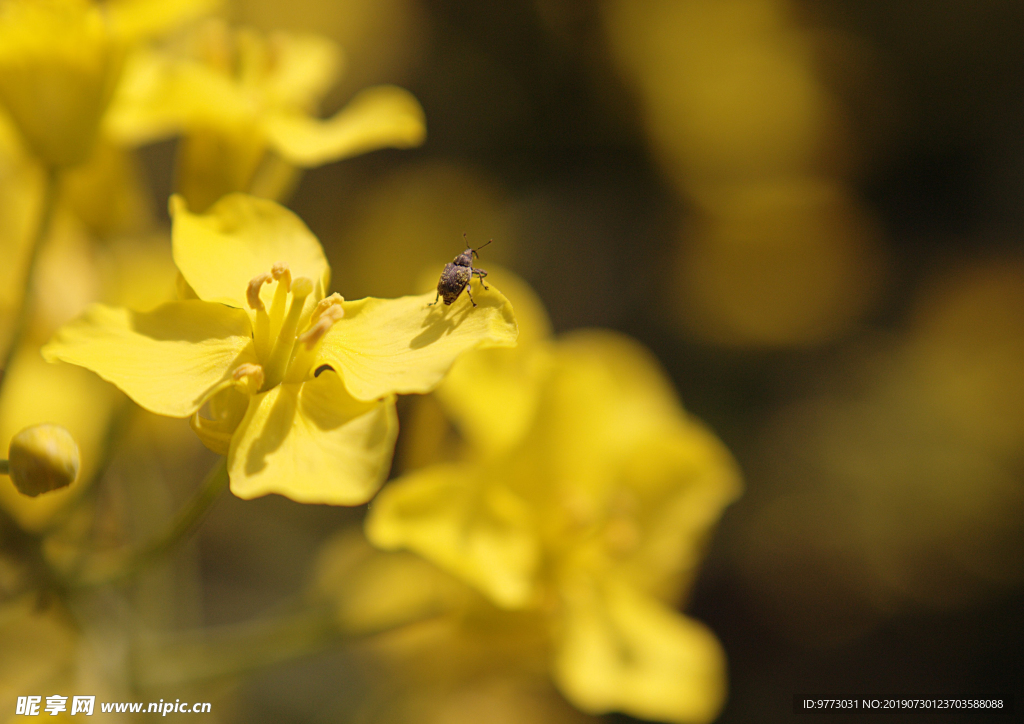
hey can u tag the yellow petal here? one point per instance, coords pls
(312, 442)
(450, 515)
(167, 359)
(385, 346)
(681, 480)
(380, 117)
(240, 237)
(304, 69)
(605, 394)
(621, 651)
(160, 96)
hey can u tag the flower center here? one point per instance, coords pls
(285, 352)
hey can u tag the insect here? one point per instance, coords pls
(458, 275)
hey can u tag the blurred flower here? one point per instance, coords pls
(589, 515)
(779, 263)
(236, 95)
(60, 62)
(300, 387)
(779, 251)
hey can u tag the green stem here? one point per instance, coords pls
(124, 563)
(187, 658)
(24, 311)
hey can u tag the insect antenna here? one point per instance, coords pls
(479, 247)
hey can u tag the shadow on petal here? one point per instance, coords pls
(439, 322)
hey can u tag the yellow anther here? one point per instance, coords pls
(252, 293)
(325, 304)
(251, 375)
(323, 323)
(282, 274)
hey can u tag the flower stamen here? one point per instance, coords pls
(281, 354)
(252, 293)
(327, 313)
(250, 375)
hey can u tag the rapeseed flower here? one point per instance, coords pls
(586, 516)
(299, 386)
(244, 103)
(60, 63)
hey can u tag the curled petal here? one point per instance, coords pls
(312, 442)
(387, 346)
(381, 117)
(167, 359)
(240, 238)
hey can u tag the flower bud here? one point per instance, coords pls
(43, 458)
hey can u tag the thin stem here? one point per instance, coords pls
(126, 562)
(24, 311)
(184, 658)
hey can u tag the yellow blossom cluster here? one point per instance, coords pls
(572, 518)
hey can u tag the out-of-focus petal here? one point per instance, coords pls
(239, 238)
(605, 394)
(160, 96)
(304, 69)
(492, 394)
(386, 346)
(313, 443)
(619, 650)
(380, 117)
(481, 533)
(167, 359)
(681, 480)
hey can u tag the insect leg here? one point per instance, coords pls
(480, 274)
(470, 293)
(436, 297)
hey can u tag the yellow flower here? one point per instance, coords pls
(300, 386)
(237, 94)
(589, 514)
(60, 61)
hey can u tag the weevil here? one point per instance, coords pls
(459, 275)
